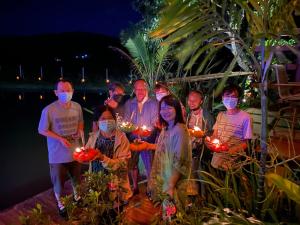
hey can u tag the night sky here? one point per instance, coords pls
(30, 17)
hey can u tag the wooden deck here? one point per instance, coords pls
(140, 210)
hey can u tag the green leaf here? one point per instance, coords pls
(291, 189)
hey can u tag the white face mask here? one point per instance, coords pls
(159, 96)
(107, 125)
(65, 97)
(229, 102)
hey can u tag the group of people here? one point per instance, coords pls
(172, 155)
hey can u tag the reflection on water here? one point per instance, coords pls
(24, 168)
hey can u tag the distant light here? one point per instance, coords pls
(39, 78)
(107, 81)
(17, 77)
(82, 80)
(244, 100)
(76, 56)
(20, 97)
(61, 78)
(41, 97)
(84, 98)
(130, 82)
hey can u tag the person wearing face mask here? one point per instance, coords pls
(116, 101)
(62, 123)
(114, 152)
(233, 128)
(161, 90)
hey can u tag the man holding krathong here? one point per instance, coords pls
(200, 122)
(142, 111)
(62, 123)
(231, 131)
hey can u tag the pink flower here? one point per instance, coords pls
(112, 186)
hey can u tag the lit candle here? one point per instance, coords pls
(78, 149)
(216, 142)
(196, 128)
(144, 131)
(144, 127)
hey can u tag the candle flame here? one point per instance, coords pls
(216, 141)
(77, 149)
(196, 128)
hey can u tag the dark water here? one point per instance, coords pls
(24, 170)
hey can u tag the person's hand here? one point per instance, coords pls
(138, 145)
(208, 143)
(99, 156)
(65, 142)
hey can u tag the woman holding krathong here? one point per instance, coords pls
(114, 153)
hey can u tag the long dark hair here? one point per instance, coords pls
(172, 101)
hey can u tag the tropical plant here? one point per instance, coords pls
(201, 28)
(150, 60)
(96, 205)
(290, 188)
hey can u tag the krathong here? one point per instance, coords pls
(196, 132)
(127, 127)
(83, 155)
(216, 145)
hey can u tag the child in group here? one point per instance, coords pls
(232, 128)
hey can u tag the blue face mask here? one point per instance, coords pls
(107, 125)
(64, 97)
(229, 102)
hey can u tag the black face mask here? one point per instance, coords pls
(118, 98)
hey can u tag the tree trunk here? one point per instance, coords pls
(264, 133)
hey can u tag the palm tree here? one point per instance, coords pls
(150, 60)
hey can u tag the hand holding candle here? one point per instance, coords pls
(215, 145)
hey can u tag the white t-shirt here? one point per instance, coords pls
(232, 129)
